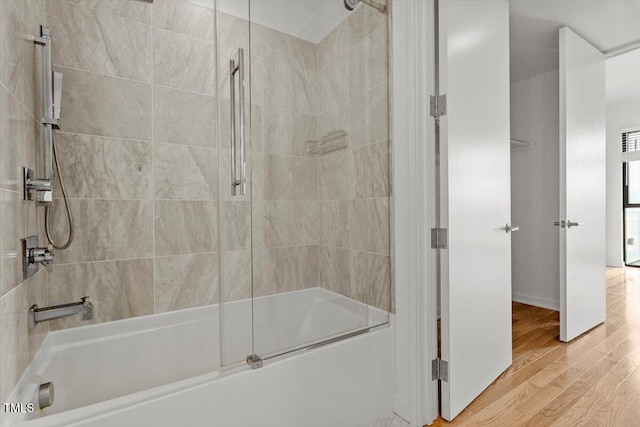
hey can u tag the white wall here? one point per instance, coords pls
(619, 116)
(535, 191)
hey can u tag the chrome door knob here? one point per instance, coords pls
(573, 224)
(510, 228)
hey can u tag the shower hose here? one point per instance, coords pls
(47, 226)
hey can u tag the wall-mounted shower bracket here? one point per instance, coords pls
(33, 255)
(254, 361)
(38, 190)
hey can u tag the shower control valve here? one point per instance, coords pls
(33, 256)
(43, 256)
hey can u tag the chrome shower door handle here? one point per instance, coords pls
(233, 69)
(232, 102)
(243, 126)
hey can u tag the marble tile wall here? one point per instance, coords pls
(139, 156)
(283, 221)
(354, 187)
(141, 148)
(19, 143)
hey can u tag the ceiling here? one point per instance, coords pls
(623, 77)
(534, 25)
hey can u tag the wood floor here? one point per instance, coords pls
(592, 381)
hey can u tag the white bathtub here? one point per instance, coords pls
(164, 370)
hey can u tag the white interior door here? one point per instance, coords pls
(582, 186)
(475, 197)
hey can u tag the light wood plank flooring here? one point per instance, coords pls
(594, 381)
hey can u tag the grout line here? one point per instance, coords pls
(142, 82)
(66, 67)
(124, 139)
(186, 36)
(148, 199)
(61, 132)
(144, 24)
(4, 190)
(117, 199)
(150, 257)
(354, 250)
(108, 13)
(100, 261)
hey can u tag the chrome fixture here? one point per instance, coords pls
(255, 361)
(510, 228)
(41, 190)
(352, 4)
(36, 189)
(33, 255)
(233, 69)
(568, 224)
(46, 395)
(37, 315)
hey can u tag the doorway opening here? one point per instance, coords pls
(631, 211)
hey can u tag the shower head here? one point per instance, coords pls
(352, 4)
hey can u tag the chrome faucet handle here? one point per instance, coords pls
(43, 256)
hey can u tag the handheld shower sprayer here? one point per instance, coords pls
(57, 102)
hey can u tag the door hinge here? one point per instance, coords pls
(438, 105)
(439, 370)
(438, 238)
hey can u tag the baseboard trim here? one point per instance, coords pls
(536, 302)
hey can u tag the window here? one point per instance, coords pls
(631, 141)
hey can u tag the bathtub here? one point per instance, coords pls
(165, 369)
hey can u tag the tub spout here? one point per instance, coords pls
(37, 315)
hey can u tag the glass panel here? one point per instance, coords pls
(321, 207)
(632, 237)
(634, 182)
(235, 203)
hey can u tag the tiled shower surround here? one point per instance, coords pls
(144, 151)
(20, 142)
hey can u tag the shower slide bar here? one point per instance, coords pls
(40, 190)
(233, 69)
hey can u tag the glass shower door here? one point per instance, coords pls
(235, 172)
(320, 197)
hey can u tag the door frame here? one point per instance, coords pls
(626, 205)
(625, 159)
(413, 133)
